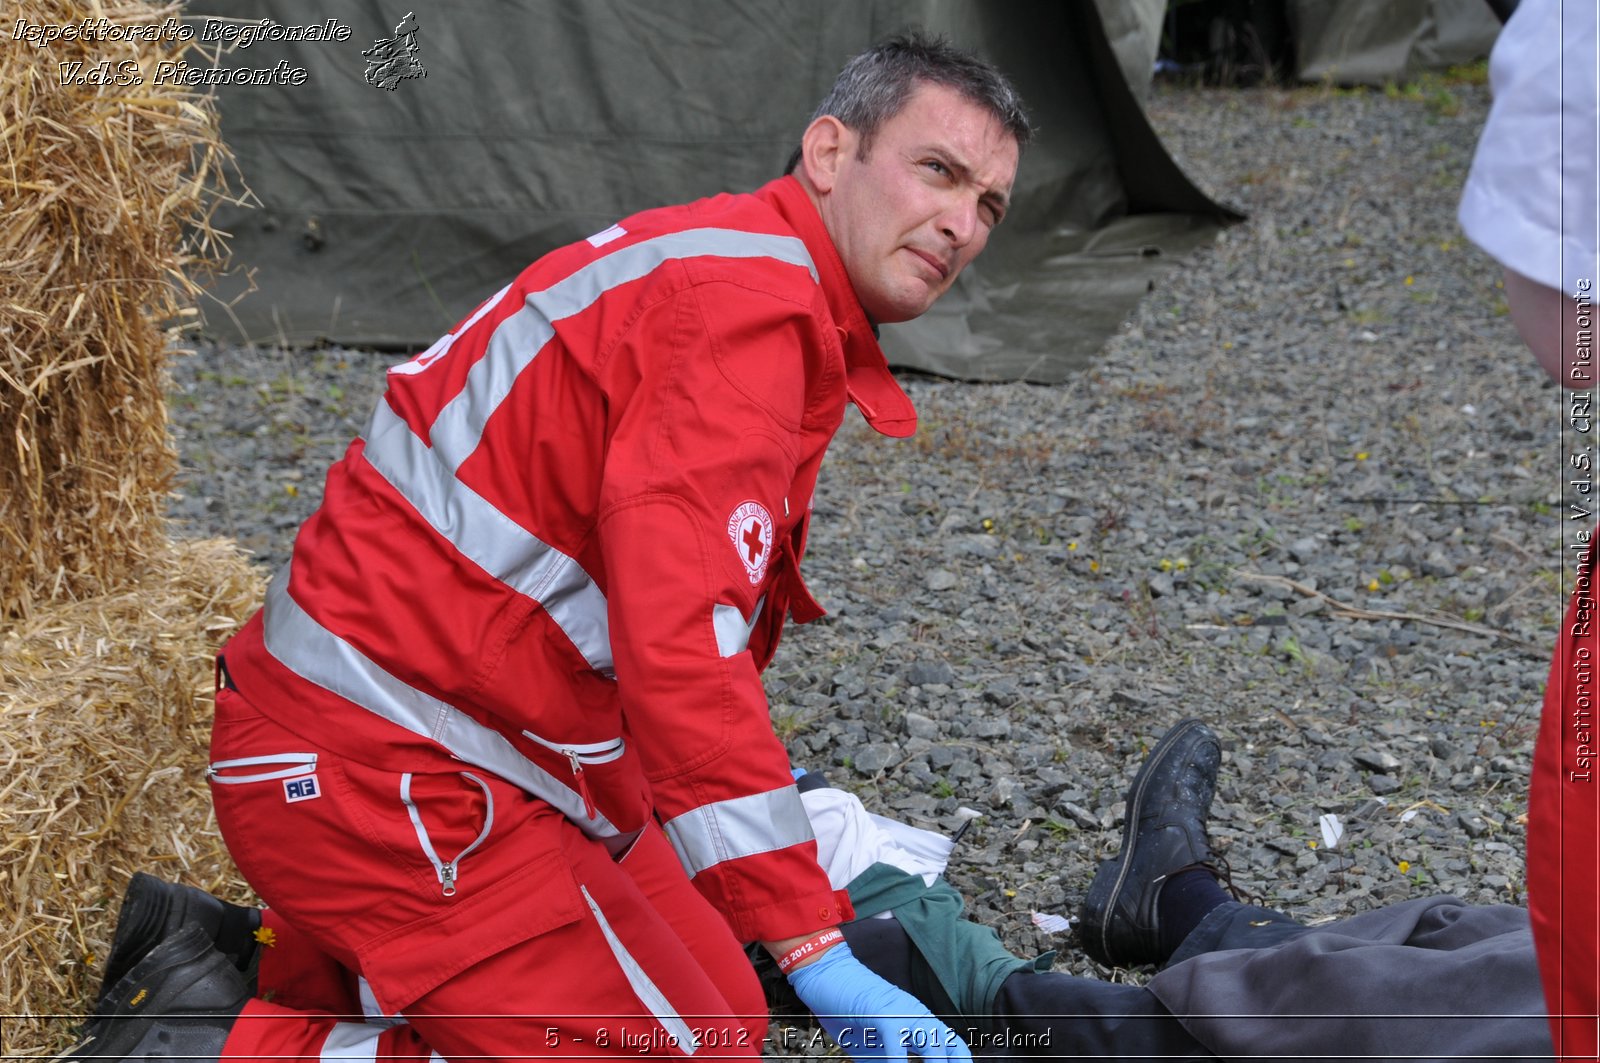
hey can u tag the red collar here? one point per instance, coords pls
(867, 378)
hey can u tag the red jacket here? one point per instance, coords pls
(567, 542)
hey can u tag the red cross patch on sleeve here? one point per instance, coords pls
(750, 530)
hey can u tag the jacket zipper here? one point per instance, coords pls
(448, 871)
(580, 753)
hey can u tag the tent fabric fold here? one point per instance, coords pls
(387, 215)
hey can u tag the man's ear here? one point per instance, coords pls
(823, 147)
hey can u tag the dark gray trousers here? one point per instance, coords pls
(1043, 1013)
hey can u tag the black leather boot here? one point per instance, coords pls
(153, 910)
(1165, 833)
(180, 1000)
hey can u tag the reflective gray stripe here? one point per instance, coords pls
(424, 473)
(733, 633)
(519, 338)
(643, 987)
(743, 826)
(352, 1040)
(319, 656)
(490, 539)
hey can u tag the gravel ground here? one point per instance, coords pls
(1326, 420)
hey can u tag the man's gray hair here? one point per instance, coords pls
(875, 85)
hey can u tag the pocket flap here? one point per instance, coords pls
(411, 960)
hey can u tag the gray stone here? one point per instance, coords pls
(922, 673)
(992, 727)
(1383, 785)
(874, 757)
(1376, 760)
(1079, 815)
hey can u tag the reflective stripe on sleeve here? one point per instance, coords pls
(302, 645)
(742, 826)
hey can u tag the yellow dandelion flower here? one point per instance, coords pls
(291, 490)
(1311, 845)
(1361, 455)
(1404, 866)
(1181, 564)
(1349, 263)
(1372, 586)
(1094, 566)
(1073, 545)
(1227, 345)
(1165, 565)
(267, 936)
(1410, 281)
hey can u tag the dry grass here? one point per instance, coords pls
(110, 628)
(105, 201)
(105, 716)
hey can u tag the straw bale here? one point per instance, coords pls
(104, 215)
(105, 714)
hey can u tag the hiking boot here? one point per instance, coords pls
(180, 1000)
(1165, 833)
(153, 910)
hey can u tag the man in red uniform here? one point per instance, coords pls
(497, 741)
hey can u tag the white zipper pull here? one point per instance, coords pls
(447, 872)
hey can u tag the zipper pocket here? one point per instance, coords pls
(295, 764)
(580, 753)
(448, 871)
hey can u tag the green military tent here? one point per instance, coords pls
(385, 214)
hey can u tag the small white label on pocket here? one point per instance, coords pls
(304, 788)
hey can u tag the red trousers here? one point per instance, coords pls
(478, 913)
(1564, 829)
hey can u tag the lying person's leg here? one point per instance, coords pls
(1163, 883)
(1033, 1013)
(1427, 979)
(1431, 978)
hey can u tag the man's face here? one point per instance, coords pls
(910, 216)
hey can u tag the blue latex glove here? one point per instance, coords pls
(868, 1017)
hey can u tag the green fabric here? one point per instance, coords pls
(967, 959)
(383, 217)
(1370, 42)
